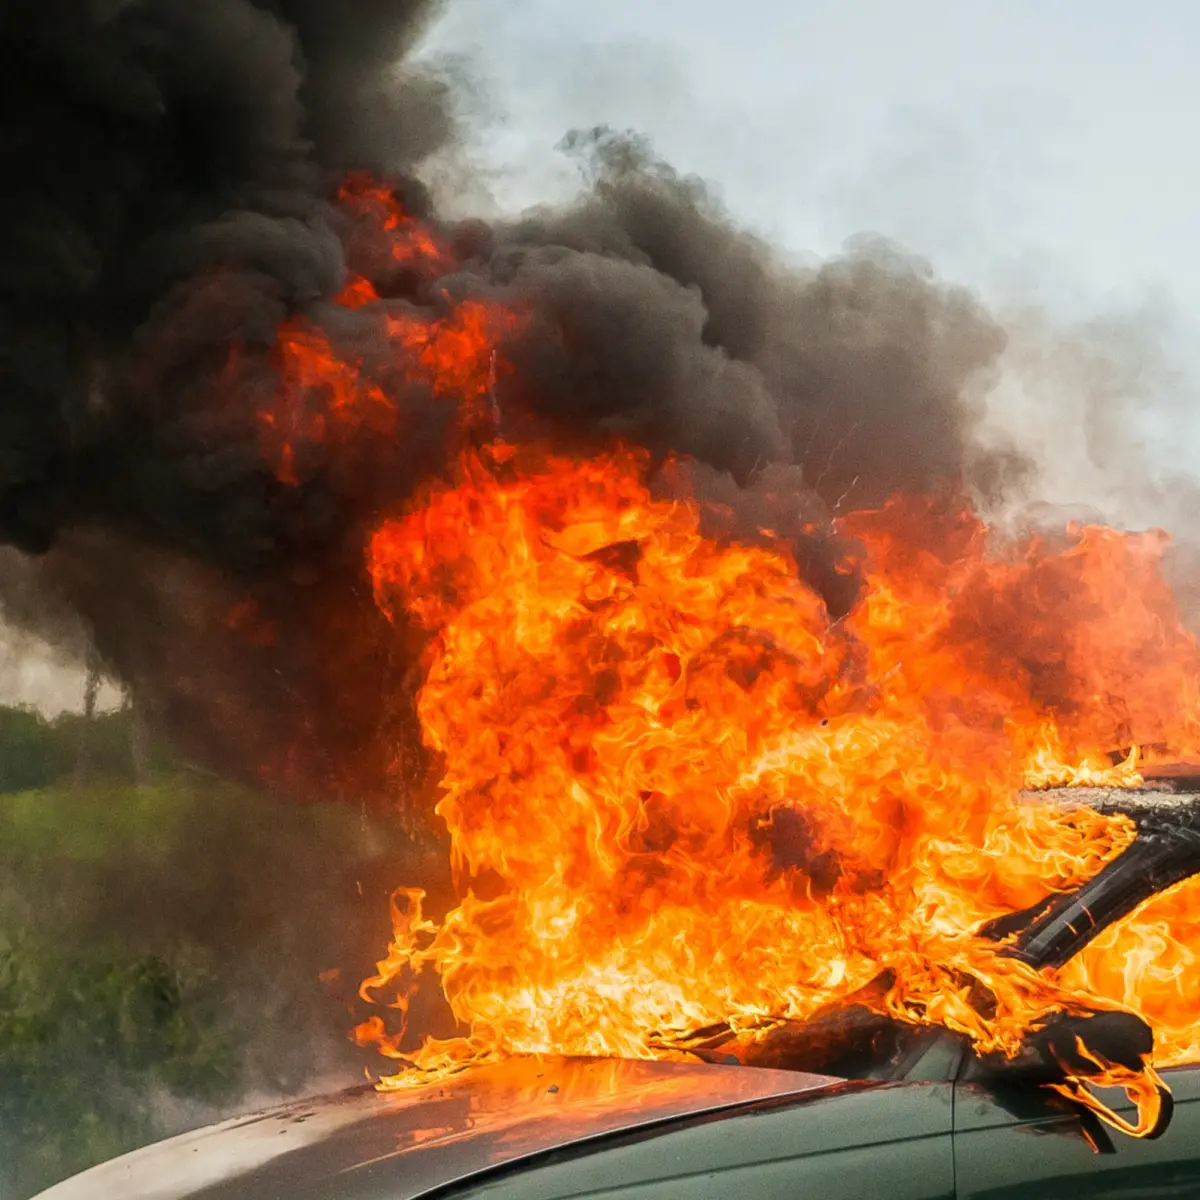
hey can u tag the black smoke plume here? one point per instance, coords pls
(169, 180)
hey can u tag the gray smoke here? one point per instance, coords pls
(170, 173)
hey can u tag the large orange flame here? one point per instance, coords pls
(677, 793)
(1150, 962)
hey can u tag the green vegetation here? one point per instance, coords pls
(35, 753)
(83, 1047)
(161, 945)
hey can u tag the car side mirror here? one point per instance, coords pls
(1073, 1053)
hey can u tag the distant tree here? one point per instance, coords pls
(139, 739)
(30, 751)
(91, 691)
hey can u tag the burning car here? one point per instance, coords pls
(852, 1102)
(664, 581)
(700, 810)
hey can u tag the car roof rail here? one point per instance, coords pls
(1165, 851)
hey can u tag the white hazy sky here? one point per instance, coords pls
(1002, 136)
(1040, 151)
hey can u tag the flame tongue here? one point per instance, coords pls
(678, 795)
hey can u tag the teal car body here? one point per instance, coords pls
(602, 1130)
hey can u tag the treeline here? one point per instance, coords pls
(108, 746)
(171, 946)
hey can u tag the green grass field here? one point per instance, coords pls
(161, 947)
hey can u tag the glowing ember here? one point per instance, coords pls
(357, 293)
(324, 399)
(381, 218)
(321, 397)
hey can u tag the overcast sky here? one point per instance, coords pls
(998, 135)
(1040, 152)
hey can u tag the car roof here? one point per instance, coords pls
(405, 1143)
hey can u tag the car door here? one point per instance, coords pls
(876, 1141)
(1019, 1142)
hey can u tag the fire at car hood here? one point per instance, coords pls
(406, 1143)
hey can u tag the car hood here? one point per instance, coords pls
(367, 1145)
